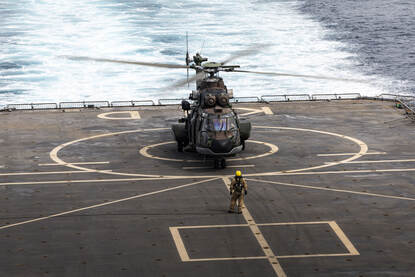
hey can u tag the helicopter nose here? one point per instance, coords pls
(221, 145)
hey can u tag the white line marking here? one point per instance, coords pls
(144, 151)
(43, 173)
(98, 180)
(350, 154)
(335, 190)
(203, 177)
(80, 163)
(1, 166)
(267, 110)
(344, 239)
(363, 150)
(131, 115)
(381, 161)
(260, 238)
(105, 204)
(179, 244)
(288, 173)
(352, 251)
(209, 167)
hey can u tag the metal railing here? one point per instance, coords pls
(245, 99)
(285, 97)
(32, 106)
(408, 101)
(84, 104)
(132, 103)
(336, 96)
(171, 101)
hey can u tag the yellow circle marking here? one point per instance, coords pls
(54, 154)
(145, 149)
(132, 115)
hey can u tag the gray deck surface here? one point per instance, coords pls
(82, 195)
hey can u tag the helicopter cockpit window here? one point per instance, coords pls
(223, 123)
(219, 124)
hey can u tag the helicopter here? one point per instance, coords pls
(211, 126)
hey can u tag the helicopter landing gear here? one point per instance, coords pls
(219, 163)
(243, 145)
(180, 146)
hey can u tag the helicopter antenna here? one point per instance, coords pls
(201, 48)
(187, 58)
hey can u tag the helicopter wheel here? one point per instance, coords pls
(180, 146)
(215, 163)
(223, 163)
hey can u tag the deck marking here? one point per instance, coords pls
(335, 190)
(260, 237)
(101, 180)
(267, 110)
(203, 177)
(291, 173)
(350, 154)
(179, 244)
(79, 163)
(352, 251)
(131, 115)
(381, 161)
(44, 172)
(362, 151)
(106, 203)
(209, 167)
(144, 151)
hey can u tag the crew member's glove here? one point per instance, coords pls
(246, 192)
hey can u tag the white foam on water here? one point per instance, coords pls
(155, 32)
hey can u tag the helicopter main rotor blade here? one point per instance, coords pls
(246, 52)
(302, 76)
(163, 65)
(183, 82)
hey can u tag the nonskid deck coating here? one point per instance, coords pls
(330, 194)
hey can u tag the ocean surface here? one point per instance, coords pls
(366, 40)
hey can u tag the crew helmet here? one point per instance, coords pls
(238, 173)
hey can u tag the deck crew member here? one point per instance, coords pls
(238, 189)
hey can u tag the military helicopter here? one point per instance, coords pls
(211, 126)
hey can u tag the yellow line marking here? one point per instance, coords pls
(252, 111)
(132, 115)
(267, 110)
(260, 238)
(100, 180)
(227, 259)
(288, 173)
(80, 163)
(200, 177)
(105, 204)
(179, 244)
(352, 251)
(54, 153)
(43, 173)
(335, 190)
(209, 167)
(144, 151)
(350, 154)
(316, 255)
(344, 239)
(382, 161)
(363, 150)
